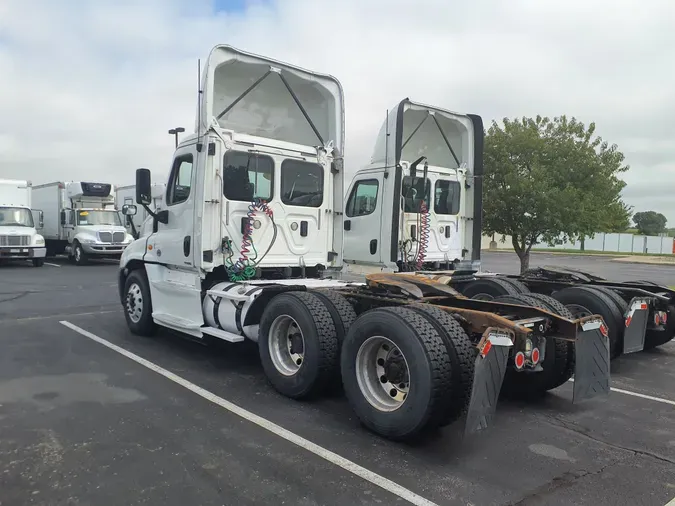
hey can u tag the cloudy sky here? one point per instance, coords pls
(88, 88)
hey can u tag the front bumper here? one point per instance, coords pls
(95, 249)
(22, 252)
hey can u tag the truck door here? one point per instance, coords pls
(173, 242)
(170, 261)
(363, 219)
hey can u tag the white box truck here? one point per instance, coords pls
(81, 220)
(141, 223)
(19, 238)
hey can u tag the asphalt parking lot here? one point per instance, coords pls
(93, 415)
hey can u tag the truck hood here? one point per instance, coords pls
(16, 230)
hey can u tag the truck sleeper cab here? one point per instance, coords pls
(249, 240)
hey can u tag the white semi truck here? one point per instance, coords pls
(137, 224)
(19, 237)
(431, 161)
(81, 220)
(251, 235)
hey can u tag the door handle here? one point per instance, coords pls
(373, 246)
(186, 245)
(348, 224)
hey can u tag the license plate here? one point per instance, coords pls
(15, 251)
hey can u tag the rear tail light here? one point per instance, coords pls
(535, 356)
(519, 360)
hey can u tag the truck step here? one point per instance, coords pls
(222, 334)
(175, 321)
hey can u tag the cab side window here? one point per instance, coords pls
(363, 198)
(180, 180)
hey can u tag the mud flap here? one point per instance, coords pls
(488, 377)
(636, 325)
(591, 371)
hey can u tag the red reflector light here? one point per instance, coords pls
(605, 331)
(486, 348)
(519, 360)
(628, 320)
(643, 306)
(664, 317)
(535, 356)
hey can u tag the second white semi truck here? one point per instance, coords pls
(81, 220)
(19, 237)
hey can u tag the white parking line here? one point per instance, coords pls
(643, 396)
(671, 502)
(325, 454)
(53, 265)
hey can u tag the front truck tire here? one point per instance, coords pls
(79, 256)
(558, 364)
(396, 372)
(38, 262)
(585, 301)
(298, 345)
(138, 304)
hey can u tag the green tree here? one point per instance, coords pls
(549, 180)
(650, 222)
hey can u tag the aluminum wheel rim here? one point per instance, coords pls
(135, 303)
(286, 345)
(382, 373)
(78, 253)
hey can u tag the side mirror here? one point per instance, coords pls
(129, 210)
(63, 218)
(143, 187)
(41, 220)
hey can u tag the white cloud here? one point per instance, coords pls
(90, 87)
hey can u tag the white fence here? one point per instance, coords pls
(611, 243)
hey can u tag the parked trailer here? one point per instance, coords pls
(81, 220)
(392, 224)
(250, 235)
(19, 223)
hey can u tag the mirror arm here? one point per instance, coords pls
(162, 216)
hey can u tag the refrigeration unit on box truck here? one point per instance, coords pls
(81, 220)
(19, 238)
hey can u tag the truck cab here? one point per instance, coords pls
(254, 193)
(416, 206)
(19, 224)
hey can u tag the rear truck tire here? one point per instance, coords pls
(341, 311)
(489, 288)
(518, 285)
(585, 300)
(138, 304)
(38, 262)
(557, 365)
(343, 315)
(655, 338)
(79, 256)
(462, 354)
(298, 345)
(559, 309)
(396, 372)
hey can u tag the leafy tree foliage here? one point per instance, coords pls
(650, 222)
(551, 179)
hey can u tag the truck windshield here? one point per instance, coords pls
(16, 216)
(413, 189)
(99, 218)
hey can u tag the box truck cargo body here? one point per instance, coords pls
(19, 238)
(81, 220)
(140, 223)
